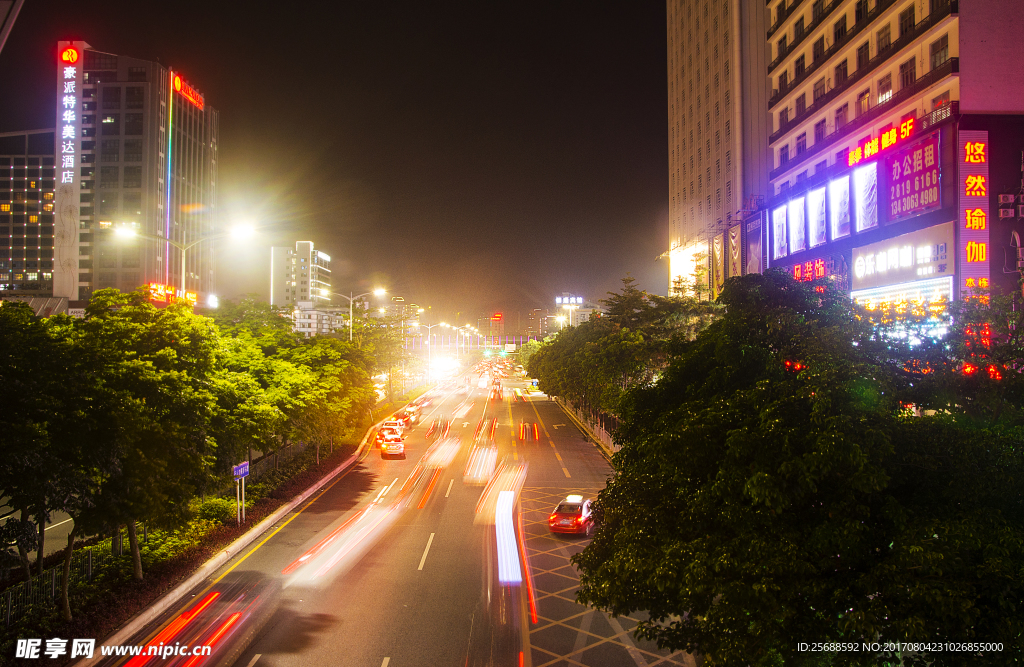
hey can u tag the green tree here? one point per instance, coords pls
(772, 487)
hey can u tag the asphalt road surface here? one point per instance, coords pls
(392, 565)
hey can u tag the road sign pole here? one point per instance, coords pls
(243, 500)
(238, 511)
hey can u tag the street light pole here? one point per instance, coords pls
(351, 299)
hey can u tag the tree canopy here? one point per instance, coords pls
(774, 486)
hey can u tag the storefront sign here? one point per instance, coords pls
(931, 296)
(914, 179)
(974, 210)
(753, 247)
(926, 253)
(68, 161)
(161, 292)
(889, 138)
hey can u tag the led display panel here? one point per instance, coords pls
(839, 207)
(797, 226)
(779, 245)
(865, 183)
(816, 221)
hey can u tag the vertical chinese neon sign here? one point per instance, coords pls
(974, 210)
(70, 62)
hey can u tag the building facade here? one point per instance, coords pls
(311, 320)
(26, 213)
(717, 93)
(896, 146)
(136, 147)
(297, 274)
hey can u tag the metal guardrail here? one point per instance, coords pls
(44, 589)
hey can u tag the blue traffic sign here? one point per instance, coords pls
(241, 470)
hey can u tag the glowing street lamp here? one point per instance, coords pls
(430, 351)
(561, 321)
(380, 291)
(240, 232)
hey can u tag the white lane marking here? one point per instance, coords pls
(59, 524)
(385, 663)
(425, 552)
(449, 487)
(254, 659)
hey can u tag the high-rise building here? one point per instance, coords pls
(717, 92)
(896, 146)
(299, 274)
(136, 147)
(26, 213)
(537, 323)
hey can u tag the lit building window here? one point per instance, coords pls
(5, 207)
(47, 195)
(33, 218)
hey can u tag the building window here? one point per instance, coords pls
(819, 131)
(781, 46)
(817, 9)
(908, 73)
(136, 73)
(801, 144)
(132, 201)
(133, 177)
(133, 150)
(799, 66)
(884, 88)
(841, 114)
(819, 89)
(110, 149)
(907, 20)
(818, 50)
(841, 74)
(783, 118)
(940, 51)
(802, 176)
(112, 97)
(839, 30)
(863, 52)
(798, 29)
(783, 81)
(134, 97)
(941, 100)
(133, 124)
(108, 203)
(801, 104)
(728, 192)
(863, 102)
(820, 166)
(783, 155)
(109, 177)
(884, 39)
(111, 124)
(860, 11)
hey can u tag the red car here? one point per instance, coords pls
(572, 515)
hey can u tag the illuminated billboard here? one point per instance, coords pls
(974, 209)
(779, 247)
(797, 225)
(914, 179)
(68, 163)
(839, 207)
(816, 221)
(924, 254)
(865, 190)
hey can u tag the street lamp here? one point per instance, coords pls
(380, 291)
(240, 232)
(561, 321)
(430, 351)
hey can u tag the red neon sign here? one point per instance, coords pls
(188, 92)
(888, 139)
(69, 55)
(810, 270)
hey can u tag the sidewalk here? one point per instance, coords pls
(594, 432)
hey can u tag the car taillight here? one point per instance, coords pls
(552, 517)
(578, 520)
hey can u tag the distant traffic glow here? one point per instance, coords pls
(504, 530)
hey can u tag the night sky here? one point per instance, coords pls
(468, 156)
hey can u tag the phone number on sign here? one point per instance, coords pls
(917, 647)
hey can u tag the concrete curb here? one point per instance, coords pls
(143, 618)
(608, 453)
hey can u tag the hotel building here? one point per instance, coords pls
(896, 146)
(302, 273)
(717, 129)
(136, 147)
